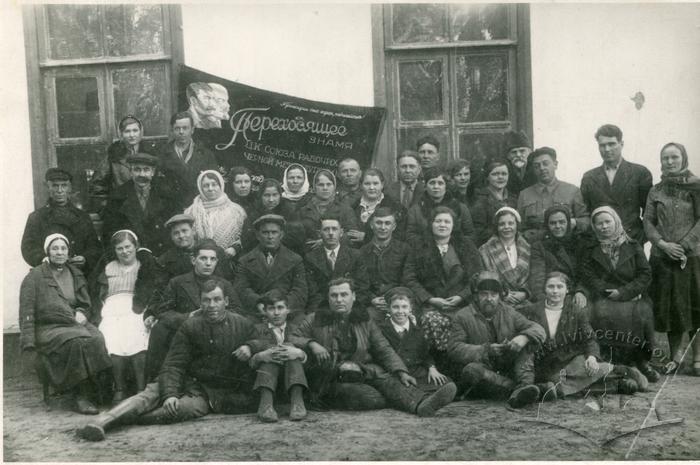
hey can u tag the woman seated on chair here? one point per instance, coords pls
(617, 273)
(54, 312)
(127, 283)
(569, 359)
(508, 254)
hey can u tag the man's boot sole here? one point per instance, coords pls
(524, 396)
(92, 432)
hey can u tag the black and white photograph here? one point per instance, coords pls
(350, 231)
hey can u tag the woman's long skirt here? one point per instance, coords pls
(676, 294)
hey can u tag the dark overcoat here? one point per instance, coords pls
(319, 274)
(70, 221)
(483, 210)
(413, 348)
(393, 190)
(254, 278)
(425, 274)
(123, 211)
(627, 195)
(384, 270)
(546, 257)
(183, 176)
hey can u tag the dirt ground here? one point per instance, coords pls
(575, 429)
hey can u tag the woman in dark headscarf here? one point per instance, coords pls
(615, 270)
(672, 224)
(323, 201)
(558, 251)
(54, 309)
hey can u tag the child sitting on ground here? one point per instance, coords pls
(274, 354)
(409, 342)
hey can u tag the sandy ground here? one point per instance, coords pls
(465, 430)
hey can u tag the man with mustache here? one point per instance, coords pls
(493, 344)
(517, 149)
(141, 205)
(205, 371)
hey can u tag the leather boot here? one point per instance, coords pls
(524, 395)
(487, 382)
(124, 412)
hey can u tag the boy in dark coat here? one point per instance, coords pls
(408, 341)
(205, 372)
(274, 353)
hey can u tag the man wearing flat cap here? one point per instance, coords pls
(59, 215)
(271, 265)
(546, 192)
(494, 345)
(141, 205)
(517, 149)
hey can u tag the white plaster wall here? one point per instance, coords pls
(320, 52)
(15, 147)
(589, 60)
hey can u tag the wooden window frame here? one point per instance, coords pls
(42, 110)
(385, 80)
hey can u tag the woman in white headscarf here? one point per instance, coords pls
(617, 273)
(215, 215)
(295, 184)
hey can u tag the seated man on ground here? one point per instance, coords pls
(494, 345)
(205, 371)
(354, 366)
(409, 342)
(181, 299)
(274, 354)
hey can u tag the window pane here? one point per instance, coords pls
(479, 22)
(419, 23)
(482, 88)
(407, 138)
(420, 90)
(78, 107)
(479, 149)
(74, 31)
(143, 92)
(133, 29)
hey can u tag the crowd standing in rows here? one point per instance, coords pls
(348, 290)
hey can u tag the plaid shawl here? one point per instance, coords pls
(494, 256)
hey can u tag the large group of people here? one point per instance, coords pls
(349, 290)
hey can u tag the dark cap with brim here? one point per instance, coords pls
(264, 219)
(179, 218)
(142, 159)
(57, 174)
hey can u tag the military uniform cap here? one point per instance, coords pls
(58, 174)
(270, 218)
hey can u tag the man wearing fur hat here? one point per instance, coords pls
(517, 149)
(494, 345)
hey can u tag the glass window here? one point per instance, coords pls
(142, 91)
(420, 90)
(479, 22)
(482, 88)
(478, 148)
(133, 30)
(77, 107)
(419, 23)
(74, 31)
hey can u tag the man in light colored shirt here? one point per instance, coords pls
(548, 191)
(617, 183)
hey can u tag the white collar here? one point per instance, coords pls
(401, 328)
(283, 327)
